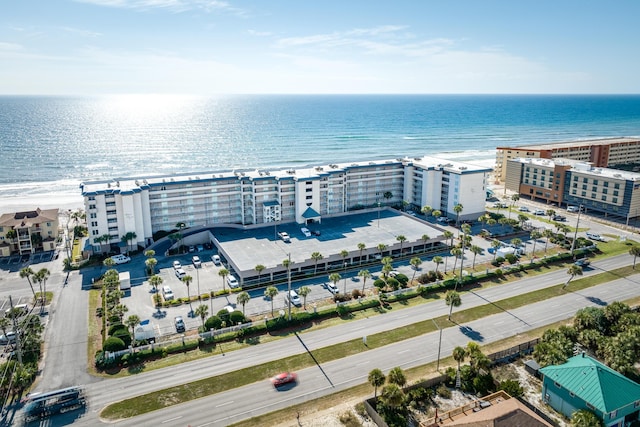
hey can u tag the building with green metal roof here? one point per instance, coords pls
(584, 383)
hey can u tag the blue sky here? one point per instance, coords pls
(209, 47)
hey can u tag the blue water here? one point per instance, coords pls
(50, 144)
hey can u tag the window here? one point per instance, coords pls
(613, 414)
(606, 183)
(615, 192)
(557, 384)
(584, 186)
(614, 200)
(616, 185)
(584, 194)
(92, 206)
(595, 182)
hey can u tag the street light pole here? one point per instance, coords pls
(345, 277)
(198, 281)
(289, 284)
(439, 344)
(575, 235)
(378, 214)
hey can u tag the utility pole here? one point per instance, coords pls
(575, 235)
(17, 332)
(289, 284)
(439, 345)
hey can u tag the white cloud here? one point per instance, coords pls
(176, 6)
(259, 33)
(84, 33)
(4, 46)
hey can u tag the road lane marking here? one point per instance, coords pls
(404, 351)
(172, 419)
(224, 404)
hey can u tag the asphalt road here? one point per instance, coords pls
(244, 402)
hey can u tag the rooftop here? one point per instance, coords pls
(580, 167)
(579, 143)
(594, 383)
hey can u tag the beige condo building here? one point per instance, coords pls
(28, 232)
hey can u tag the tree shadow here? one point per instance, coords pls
(471, 333)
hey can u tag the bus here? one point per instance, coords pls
(41, 405)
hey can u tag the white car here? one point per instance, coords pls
(539, 212)
(216, 259)
(523, 209)
(120, 259)
(330, 287)
(176, 265)
(167, 292)
(196, 261)
(306, 232)
(294, 298)
(393, 273)
(180, 273)
(232, 281)
(594, 236)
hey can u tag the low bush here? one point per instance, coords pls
(113, 344)
(444, 392)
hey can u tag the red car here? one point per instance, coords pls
(284, 378)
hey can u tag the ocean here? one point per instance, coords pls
(51, 144)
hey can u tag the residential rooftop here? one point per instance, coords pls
(580, 166)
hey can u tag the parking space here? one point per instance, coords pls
(5, 305)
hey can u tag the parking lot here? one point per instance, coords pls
(19, 261)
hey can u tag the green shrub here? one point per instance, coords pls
(444, 392)
(512, 387)
(236, 317)
(403, 279)
(379, 283)
(116, 326)
(512, 258)
(213, 322)
(124, 335)
(224, 315)
(113, 344)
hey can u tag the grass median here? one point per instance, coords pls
(174, 395)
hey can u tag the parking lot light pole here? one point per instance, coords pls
(198, 282)
(345, 278)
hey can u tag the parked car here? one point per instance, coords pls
(315, 232)
(393, 273)
(594, 236)
(9, 338)
(294, 298)
(179, 322)
(284, 378)
(167, 292)
(192, 248)
(199, 248)
(196, 261)
(523, 209)
(559, 218)
(574, 208)
(120, 259)
(330, 287)
(539, 212)
(306, 232)
(443, 220)
(176, 265)
(232, 281)
(180, 273)
(216, 259)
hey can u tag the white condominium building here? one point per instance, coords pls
(146, 205)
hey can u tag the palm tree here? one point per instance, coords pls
(259, 269)
(415, 263)
(634, 251)
(548, 234)
(149, 253)
(180, 226)
(365, 275)
(436, 214)
(456, 253)
(27, 272)
(458, 210)
(335, 278)
(376, 379)
(424, 239)
(534, 235)
(271, 293)
(316, 256)
(551, 213)
(151, 264)
(495, 244)
(120, 309)
(514, 199)
(459, 354)
(243, 298)
(202, 311)
(344, 254)
(303, 292)
(448, 235)
(437, 260)
(187, 281)
(43, 274)
(381, 247)
(223, 273)
(476, 250)
(573, 271)
(155, 281)
(401, 238)
(387, 195)
(131, 322)
(585, 418)
(452, 299)
(396, 376)
(4, 324)
(392, 396)
(361, 248)
(516, 242)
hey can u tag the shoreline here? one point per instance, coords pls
(66, 201)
